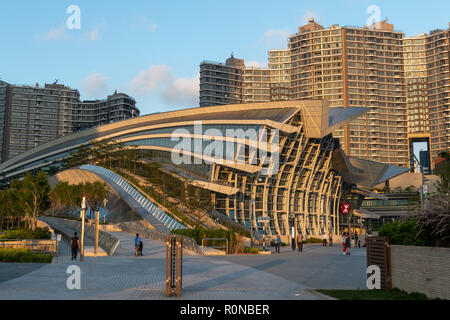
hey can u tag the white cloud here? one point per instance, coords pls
(172, 90)
(94, 35)
(276, 38)
(95, 84)
(151, 79)
(256, 64)
(308, 15)
(153, 27)
(182, 91)
(54, 34)
(144, 23)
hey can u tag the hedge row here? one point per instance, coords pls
(199, 233)
(21, 234)
(23, 255)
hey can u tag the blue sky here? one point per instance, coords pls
(152, 49)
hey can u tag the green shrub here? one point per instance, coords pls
(249, 250)
(402, 233)
(199, 233)
(38, 233)
(394, 294)
(273, 243)
(23, 255)
(313, 240)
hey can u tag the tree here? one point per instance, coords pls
(101, 152)
(443, 171)
(65, 196)
(434, 223)
(95, 193)
(32, 196)
(9, 210)
(402, 233)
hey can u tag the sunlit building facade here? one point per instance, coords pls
(404, 83)
(275, 159)
(356, 67)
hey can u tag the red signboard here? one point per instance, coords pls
(345, 208)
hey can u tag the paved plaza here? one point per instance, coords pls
(286, 276)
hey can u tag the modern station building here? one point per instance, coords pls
(275, 159)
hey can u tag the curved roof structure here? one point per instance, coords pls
(74, 177)
(321, 120)
(280, 155)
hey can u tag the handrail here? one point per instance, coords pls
(215, 247)
(153, 234)
(36, 245)
(169, 222)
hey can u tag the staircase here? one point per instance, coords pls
(144, 207)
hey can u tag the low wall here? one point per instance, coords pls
(106, 241)
(153, 234)
(45, 246)
(42, 224)
(421, 269)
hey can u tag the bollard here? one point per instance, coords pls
(174, 265)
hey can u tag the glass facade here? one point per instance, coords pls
(303, 190)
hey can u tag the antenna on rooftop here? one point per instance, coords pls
(56, 81)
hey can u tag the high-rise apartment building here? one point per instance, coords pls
(356, 67)
(116, 107)
(234, 82)
(280, 70)
(256, 85)
(221, 84)
(438, 87)
(3, 86)
(31, 116)
(404, 81)
(415, 62)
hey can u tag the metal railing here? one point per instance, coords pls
(153, 234)
(42, 246)
(146, 204)
(227, 221)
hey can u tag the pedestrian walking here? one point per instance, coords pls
(330, 239)
(293, 243)
(356, 239)
(325, 239)
(75, 245)
(348, 244)
(141, 248)
(344, 237)
(137, 243)
(278, 244)
(300, 242)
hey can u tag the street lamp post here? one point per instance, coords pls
(105, 202)
(251, 222)
(422, 196)
(243, 194)
(293, 230)
(83, 215)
